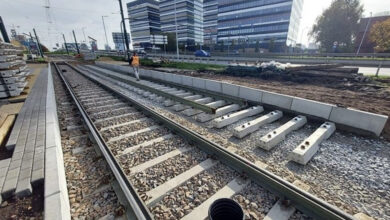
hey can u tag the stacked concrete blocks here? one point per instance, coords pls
(13, 71)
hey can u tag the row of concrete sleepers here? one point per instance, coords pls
(13, 71)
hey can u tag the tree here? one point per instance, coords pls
(338, 23)
(380, 36)
(257, 46)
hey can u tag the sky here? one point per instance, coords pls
(79, 15)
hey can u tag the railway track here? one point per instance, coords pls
(167, 171)
(349, 171)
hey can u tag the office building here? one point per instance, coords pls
(189, 19)
(246, 22)
(144, 21)
(119, 40)
(210, 21)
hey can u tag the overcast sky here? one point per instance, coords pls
(67, 15)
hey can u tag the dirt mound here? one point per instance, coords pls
(105, 59)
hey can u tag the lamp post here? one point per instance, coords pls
(124, 30)
(177, 39)
(39, 44)
(85, 39)
(66, 46)
(364, 35)
(105, 32)
(75, 41)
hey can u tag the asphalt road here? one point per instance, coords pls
(372, 71)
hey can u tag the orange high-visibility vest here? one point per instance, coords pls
(135, 61)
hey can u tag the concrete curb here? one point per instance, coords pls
(56, 193)
(346, 117)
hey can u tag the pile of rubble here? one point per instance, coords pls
(13, 70)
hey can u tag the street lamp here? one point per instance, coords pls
(105, 32)
(177, 39)
(85, 39)
(364, 35)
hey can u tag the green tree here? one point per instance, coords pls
(338, 23)
(257, 49)
(380, 36)
(171, 46)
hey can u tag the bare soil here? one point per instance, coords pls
(25, 208)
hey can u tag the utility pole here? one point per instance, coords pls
(364, 35)
(177, 39)
(75, 40)
(85, 39)
(66, 46)
(105, 32)
(125, 32)
(32, 39)
(39, 44)
(4, 31)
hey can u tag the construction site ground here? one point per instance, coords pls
(366, 96)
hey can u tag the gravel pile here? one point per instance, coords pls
(194, 192)
(162, 172)
(150, 152)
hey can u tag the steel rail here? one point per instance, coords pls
(303, 201)
(214, 95)
(138, 206)
(196, 105)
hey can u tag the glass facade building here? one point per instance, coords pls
(144, 21)
(189, 18)
(119, 40)
(252, 21)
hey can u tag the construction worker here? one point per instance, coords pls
(134, 60)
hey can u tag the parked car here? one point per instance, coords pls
(202, 53)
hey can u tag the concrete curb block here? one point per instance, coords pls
(56, 193)
(358, 119)
(318, 109)
(363, 121)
